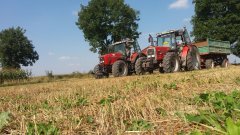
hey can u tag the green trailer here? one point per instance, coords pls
(213, 53)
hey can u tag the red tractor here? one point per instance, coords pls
(173, 52)
(119, 60)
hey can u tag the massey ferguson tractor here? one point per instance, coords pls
(172, 52)
(119, 60)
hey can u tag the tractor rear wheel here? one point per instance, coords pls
(224, 63)
(193, 59)
(138, 66)
(209, 64)
(171, 62)
(97, 72)
(120, 68)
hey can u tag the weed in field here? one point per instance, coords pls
(171, 86)
(90, 119)
(139, 125)
(46, 105)
(107, 101)
(237, 80)
(161, 111)
(42, 129)
(27, 107)
(223, 117)
(4, 119)
(81, 101)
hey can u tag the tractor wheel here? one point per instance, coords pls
(150, 71)
(138, 66)
(97, 72)
(161, 70)
(193, 59)
(119, 68)
(224, 63)
(209, 64)
(171, 62)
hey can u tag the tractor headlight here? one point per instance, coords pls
(101, 60)
(173, 47)
(151, 53)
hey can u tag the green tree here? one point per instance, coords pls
(217, 19)
(106, 21)
(16, 49)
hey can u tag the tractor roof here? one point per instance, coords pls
(123, 41)
(169, 32)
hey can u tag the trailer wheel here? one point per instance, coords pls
(209, 64)
(224, 63)
(193, 59)
(171, 62)
(97, 72)
(119, 68)
(138, 66)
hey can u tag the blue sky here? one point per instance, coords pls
(50, 24)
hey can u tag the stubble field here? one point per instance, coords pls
(148, 104)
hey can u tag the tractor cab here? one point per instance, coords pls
(173, 38)
(169, 54)
(119, 60)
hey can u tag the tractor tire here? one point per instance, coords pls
(138, 66)
(161, 70)
(96, 72)
(171, 62)
(193, 59)
(150, 71)
(209, 64)
(120, 68)
(225, 63)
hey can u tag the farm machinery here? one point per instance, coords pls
(172, 52)
(213, 53)
(119, 60)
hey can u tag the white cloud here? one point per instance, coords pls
(67, 58)
(179, 4)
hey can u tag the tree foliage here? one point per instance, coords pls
(106, 21)
(217, 19)
(16, 49)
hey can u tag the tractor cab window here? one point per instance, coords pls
(179, 40)
(165, 40)
(118, 48)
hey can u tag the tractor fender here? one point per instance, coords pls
(183, 55)
(134, 57)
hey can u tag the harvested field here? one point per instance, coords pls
(149, 104)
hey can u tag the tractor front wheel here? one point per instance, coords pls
(171, 62)
(193, 59)
(138, 66)
(97, 72)
(120, 68)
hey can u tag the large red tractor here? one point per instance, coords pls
(120, 59)
(173, 52)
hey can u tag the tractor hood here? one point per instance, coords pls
(110, 58)
(157, 52)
